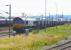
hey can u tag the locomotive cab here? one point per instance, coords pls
(18, 25)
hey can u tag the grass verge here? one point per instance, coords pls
(35, 41)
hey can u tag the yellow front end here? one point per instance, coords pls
(17, 26)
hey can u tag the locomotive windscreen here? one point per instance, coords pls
(18, 20)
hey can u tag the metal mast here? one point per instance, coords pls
(45, 12)
(56, 15)
(9, 19)
(56, 6)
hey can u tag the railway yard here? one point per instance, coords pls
(41, 36)
(35, 25)
(54, 38)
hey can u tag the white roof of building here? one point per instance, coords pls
(29, 19)
(32, 19)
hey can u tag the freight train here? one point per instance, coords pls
(20, 24)
(5, 22)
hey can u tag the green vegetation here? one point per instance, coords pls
(35, 40)
(62, 30)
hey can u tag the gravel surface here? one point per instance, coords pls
(62, 45)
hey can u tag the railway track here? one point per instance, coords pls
(6, 35)
(64, 46)
(4, 32)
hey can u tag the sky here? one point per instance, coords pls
(35, 7)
